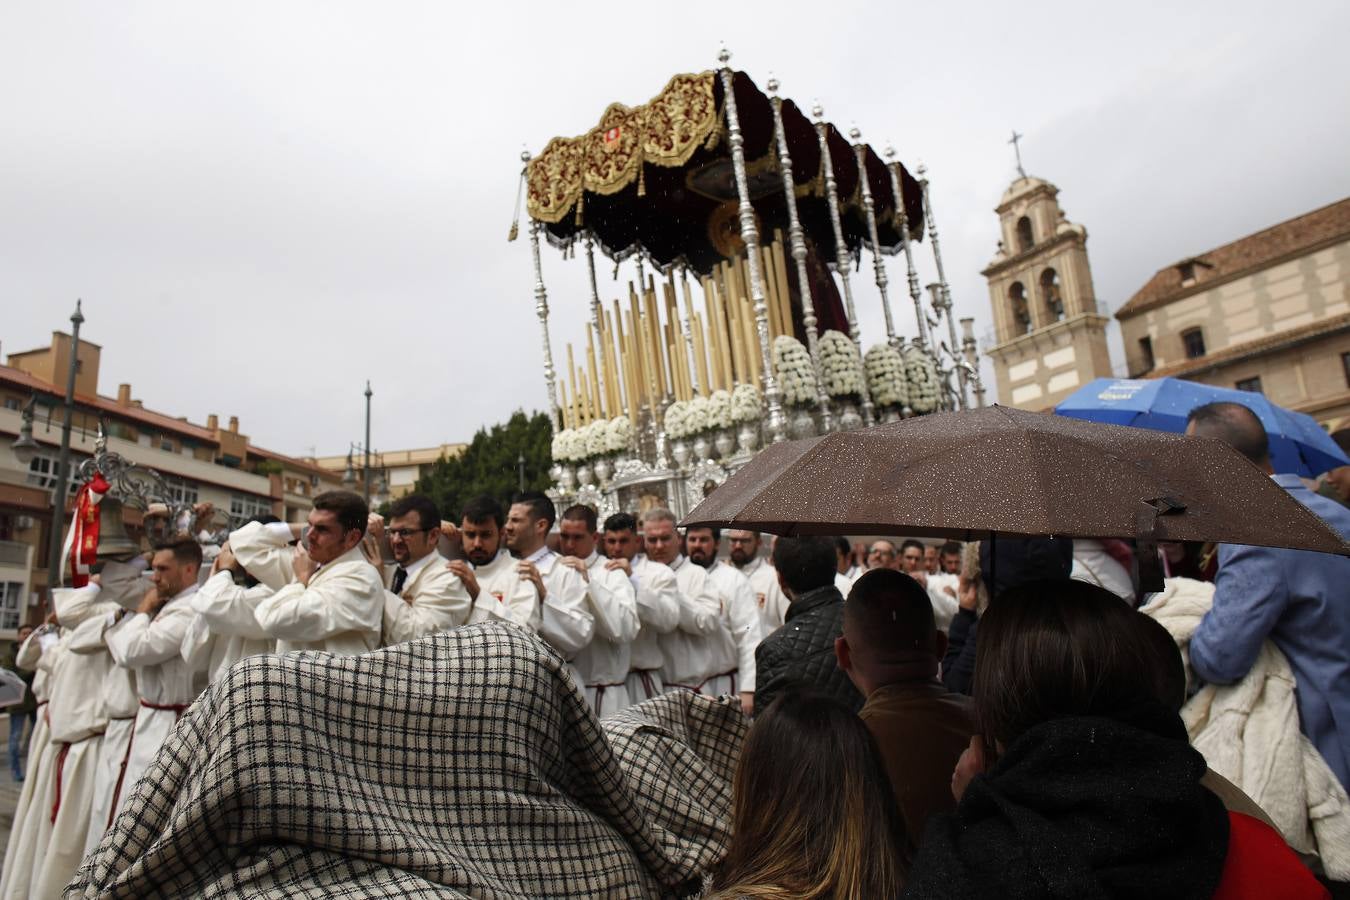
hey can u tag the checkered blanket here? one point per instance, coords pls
(465, 763)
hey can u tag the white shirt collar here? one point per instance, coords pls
(413, 568)
(593, 559)
(539, 555)
(679, 561)
(752, 566)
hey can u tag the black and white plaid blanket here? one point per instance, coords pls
(466, 763)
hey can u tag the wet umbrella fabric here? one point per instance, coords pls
(1002, 471)
(1298, 445)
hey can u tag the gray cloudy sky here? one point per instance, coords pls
(263, 204)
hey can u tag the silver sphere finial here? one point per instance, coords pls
(772, 84)
(817, 111)
(524, 156)
(889, 152)
(921, 170)
(724, 55)
(854, 134)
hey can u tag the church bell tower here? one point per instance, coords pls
(1050, 334)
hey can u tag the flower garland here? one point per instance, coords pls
(719, 410)
(796, 375)
(924, 387)
(886, 377)
(618, 434)
(841, 369)
(745, 405)
(676, 415)
(598, 438)
(569, 445)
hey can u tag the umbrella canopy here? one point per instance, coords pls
(1003, 471)
(1298, 445)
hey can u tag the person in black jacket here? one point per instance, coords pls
(801, 652)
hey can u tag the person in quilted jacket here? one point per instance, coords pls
(802, 651)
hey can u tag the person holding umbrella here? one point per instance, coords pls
(1298, 599)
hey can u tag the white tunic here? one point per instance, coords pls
(658, 606)
(340, 611)
(942, 593)
(842, 584)
(225, 628)
(565, 621)
(739, 625)
(604, 663)
(32, 824)
(265, 553)
(770, 600)
(503, 596)
(693, 651)
(433, 599)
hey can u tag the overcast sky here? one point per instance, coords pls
(264, 204)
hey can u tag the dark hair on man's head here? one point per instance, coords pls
(580, 512)
(911, 543)
(541, 507)
(621, 522)
(1342, 438)
(185, 550)
(716, 532)
(809, 767)
(264, 519)
(1164, 667)
(1234, 424)
(1062, 649)
(428, 516)
(483, 509)
(805, 563)
(351, 511)
(890, 616)
(950, 548)
(841, 545)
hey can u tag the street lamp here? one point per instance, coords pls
(349, 476)
(520, 467)
(25, 448)
(63, 461)
(365, 470)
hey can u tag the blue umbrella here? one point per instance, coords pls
(1298, 444)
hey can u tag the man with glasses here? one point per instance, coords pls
(882, 555)
(422, 595)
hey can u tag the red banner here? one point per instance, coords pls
(82, 543)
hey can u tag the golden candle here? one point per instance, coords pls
(700, 360)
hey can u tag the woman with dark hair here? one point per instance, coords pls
(813, 812)
(1083, 783)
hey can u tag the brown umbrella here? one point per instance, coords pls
(1002, 471)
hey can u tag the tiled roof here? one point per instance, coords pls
(1256, 251)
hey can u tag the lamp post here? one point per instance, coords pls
(365, 468)
(63, 461)
(520, 470)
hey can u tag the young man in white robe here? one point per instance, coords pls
(31, 826)
(336, 602)
(602, 664)
(739, 626)
(696, 649)
(422, 596)
(488, 572)
(658, 604)
(746, 554)
(565, 621)
(150, 642)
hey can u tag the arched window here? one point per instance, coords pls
(1025, 239)
(1054, 299)
(1021, 313)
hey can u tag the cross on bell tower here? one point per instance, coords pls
(1017, 150)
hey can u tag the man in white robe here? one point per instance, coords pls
(565, 621)
(694, 651)
(488, 571)
(739, 628)
(658, 604)
(225, 628)
(602, 664)
(422, 596)
(32, 824)
(150, 642)
(746, 554)
(336, 602)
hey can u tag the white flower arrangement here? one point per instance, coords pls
(618, 434)
(745, 405)
(569, 445)
(676, 414)
(841, 368)
(921, 372)
(886, 377)
(696, 419)
(719, 410)
(597, 438)
(796, 375)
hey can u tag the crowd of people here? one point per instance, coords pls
(886, 753)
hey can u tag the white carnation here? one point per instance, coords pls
(596, 437)
(569, 445)
(618, 434)
(676, 414)
(719, 409)
(886, 379)
(840, 366)
(924, 387)
(696, 416)
(745, 405)
(796, 375)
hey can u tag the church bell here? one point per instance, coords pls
(113, 542)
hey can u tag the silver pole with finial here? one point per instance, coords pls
(797, 241)
(841, 257)
(687, 325)
(870, 212)
(776, 422)
(937, 251)
(893, 166)
(541, 310)
(972, 358)
(597, 317)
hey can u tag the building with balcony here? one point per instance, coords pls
(199, 462)
(396, 470)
